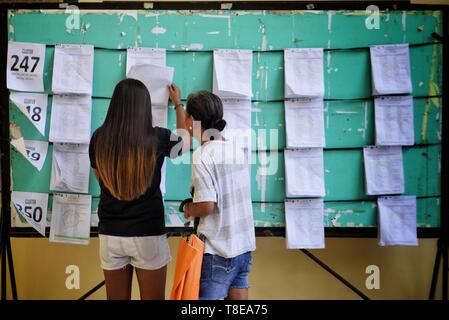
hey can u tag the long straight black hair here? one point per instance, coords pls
(125, 145)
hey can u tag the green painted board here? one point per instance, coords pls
(336, 214)
(206, 30)
(342, 214)
(344, 175)
(348, 124)
(347, 73)
(190, 37)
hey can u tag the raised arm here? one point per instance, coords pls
(181, 115)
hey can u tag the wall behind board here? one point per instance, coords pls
(190, 37)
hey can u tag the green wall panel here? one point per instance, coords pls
(190, 37)
(206, 30)
(348, 124)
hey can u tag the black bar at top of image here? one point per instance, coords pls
(209, 5)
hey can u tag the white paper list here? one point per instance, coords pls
(304, 172)
(138, 56)
(304, 123)
(25, 66)
(304, 72)
(304, 223)
(70, 220)
(394, 121)
(160, 116)
(384, 172)
(237, 114)
(73, 69)
(232, 73)
(390, 69)
(70, 168)
(70, 119)
(397, 221)
(156, 79)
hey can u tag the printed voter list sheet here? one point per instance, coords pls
(232, 74)
(70, 119)
(160, 119)
(394, 121)
(304, 223)
(73, 69)
(33, 106)
(163, 178)
(160, 116)
(390, 69)
(304, 72)
(237, 114)
(70, 168)
(304, 122)
(32, 207)
(304, 172)
(70, 220)
(137, 56)
(156, 79)
(397, 221)
(25, 66)
(384, 172)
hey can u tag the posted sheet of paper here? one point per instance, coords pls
(156, 79)
(304, 123)
(237, 114)
(304, 72)
(70, 119)
(163, 178)
(304, 224)
(137, 56)
(73, 69)
(25, 66)
(397, 221)
(33, 106)
(304, 172)
(32, 207)
(390, 67)
(70, 168)
(394, 121)
(232, 74)
(160, 116)
(70, 220)
(384, 172)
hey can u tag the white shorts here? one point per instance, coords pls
(149, 253)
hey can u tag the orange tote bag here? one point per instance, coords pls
(186, 284)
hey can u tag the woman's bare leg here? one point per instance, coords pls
(118, 283)
(152, 283)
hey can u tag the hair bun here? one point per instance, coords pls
(220, 124)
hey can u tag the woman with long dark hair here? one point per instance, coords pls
(127, 154)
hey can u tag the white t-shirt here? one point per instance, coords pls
(220, 174)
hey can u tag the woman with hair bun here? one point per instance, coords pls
(221, 191)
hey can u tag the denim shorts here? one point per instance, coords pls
(219, 274)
